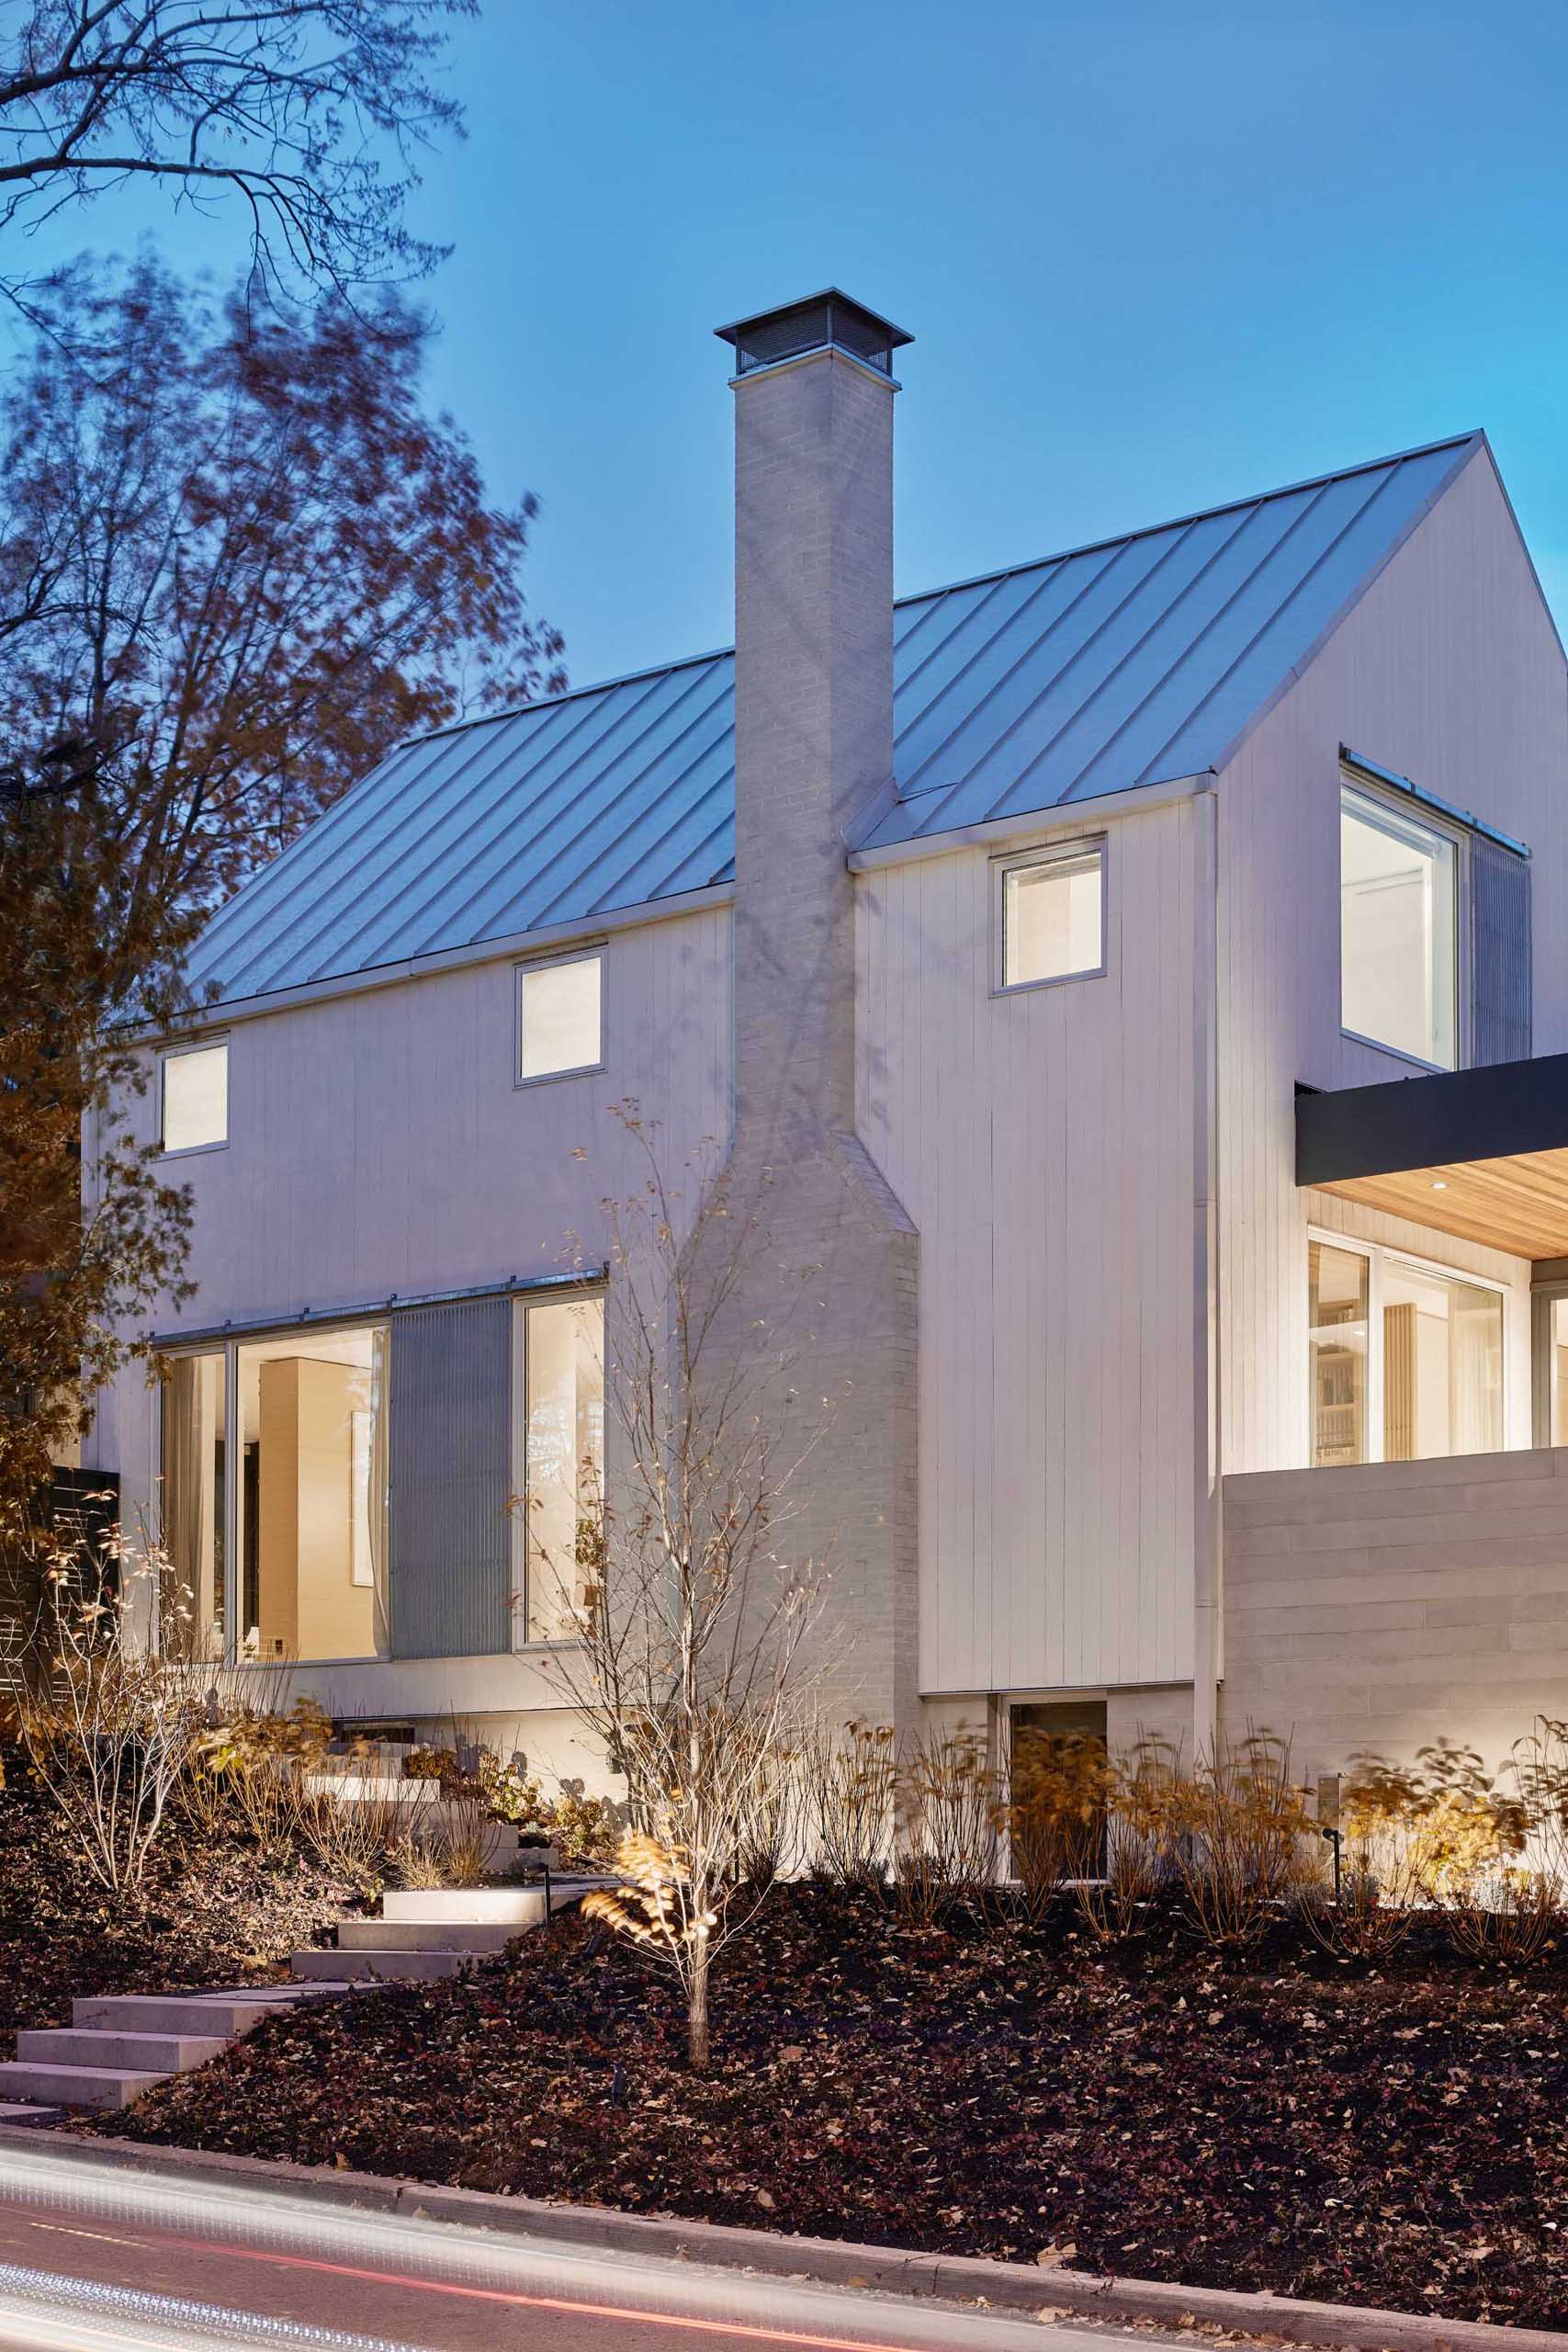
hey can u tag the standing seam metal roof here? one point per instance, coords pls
(1129, 662)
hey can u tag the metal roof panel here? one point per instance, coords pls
(1123, 663)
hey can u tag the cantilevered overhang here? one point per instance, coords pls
(1482, 1153)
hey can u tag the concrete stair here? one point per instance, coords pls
(382, 1966)
(426, 1933)
(119, 2045)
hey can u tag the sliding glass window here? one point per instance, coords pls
(563, 1469)
(313, 1500)
(1405, 1361)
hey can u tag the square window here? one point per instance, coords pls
(1052, 916)
(559, 1017)
(196, 1098)
(1398, 930)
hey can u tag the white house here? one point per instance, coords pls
(1126, 963)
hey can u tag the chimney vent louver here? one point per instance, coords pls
(829, 318)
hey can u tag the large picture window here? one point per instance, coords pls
(563, 1470)
(1405, 1361)
(1398, 930)
(313, 1516)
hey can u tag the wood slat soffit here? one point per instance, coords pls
(1482, 1154)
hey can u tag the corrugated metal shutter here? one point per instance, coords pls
(449, 1534)
(1500, 952)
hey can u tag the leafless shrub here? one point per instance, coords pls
(364, 1836)
(1238, 1831)
(115, 1731)
(945, 1808)
(1141, 1841)
(849, 1780)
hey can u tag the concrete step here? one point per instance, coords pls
(162, 2054)
(380, 1967)
(513, 1907)
(228, 2012)
(103, 2086)
(182, 2013)
(425, 1935)
(21, 2110)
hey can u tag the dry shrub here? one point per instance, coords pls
(946, 1803)
(365, 1839)
(1440, 1837)
(1236, 1830)
(251, 1766)
(113, 1734)
(849, 1786)
(1140, 1862)
(1055, 1816)
(772, 1827)
(587, 1831)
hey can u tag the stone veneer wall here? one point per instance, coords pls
(1384, 1605)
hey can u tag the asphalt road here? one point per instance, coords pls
(94, 2257)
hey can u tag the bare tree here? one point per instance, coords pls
(296, 107)
(240, 561)
(689, 1611)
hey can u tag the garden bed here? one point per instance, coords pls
(1289, 2122)
(211, 1911)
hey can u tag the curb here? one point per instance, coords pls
(829, 2262)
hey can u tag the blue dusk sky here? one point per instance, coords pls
(1153, 257)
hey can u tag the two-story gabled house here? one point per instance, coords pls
(1145, 973)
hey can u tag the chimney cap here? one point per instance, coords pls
(830, 317)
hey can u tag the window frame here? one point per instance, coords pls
(1420, 819)
(1549, 1284)
(1056, 853)
(594, 954)
(182, 1052)
(1381, 1254)
(231, 1349)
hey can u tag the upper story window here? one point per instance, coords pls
(1052, 910)
(1398, 930)
(195, 1109)
(560, 1017)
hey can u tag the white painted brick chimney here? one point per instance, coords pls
(814, 395)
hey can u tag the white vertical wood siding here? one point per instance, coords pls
(1043, 1144)
(1447, 671)
(377, 1143)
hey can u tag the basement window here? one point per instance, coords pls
(1398, 930)
(195, 1098)
(1051, 915)
(560, 1017)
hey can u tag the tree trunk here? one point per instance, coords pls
(697, 2009)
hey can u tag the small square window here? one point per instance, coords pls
(559, 1026)
(195, 1099)
(1052, 916)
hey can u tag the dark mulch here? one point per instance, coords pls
(1289, 2124)
(211, 1911)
